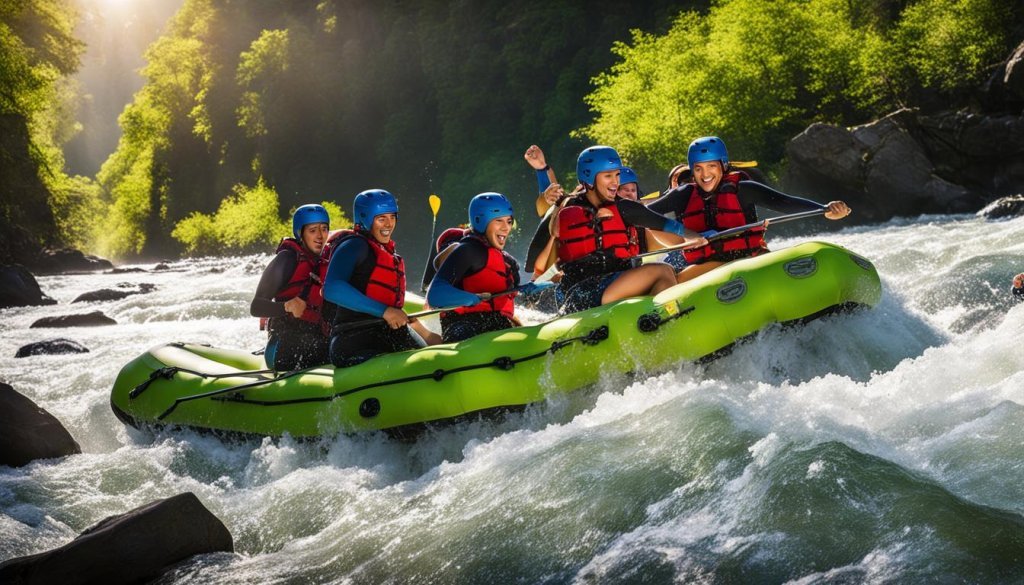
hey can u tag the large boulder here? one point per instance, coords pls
(881, 169)
(51, 261)
(28, 432)
(93, 319)
(18, 288)
(135, 547)
(51, 347)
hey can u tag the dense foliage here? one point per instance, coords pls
(757, 73)
(37, 54)
(248, 220)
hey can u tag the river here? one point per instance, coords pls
(885, 446)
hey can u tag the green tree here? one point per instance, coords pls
(756, 73)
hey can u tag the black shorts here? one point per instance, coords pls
(456, 327)
(351, 346)
(294, 345)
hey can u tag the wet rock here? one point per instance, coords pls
(1012, 206)
(109, 294)
(68, 260)
(881, 169)
(54, 346)
(28, 432)
(126, 270)
(18, 288)
(134, 547)
(161, 266)
(93, 319)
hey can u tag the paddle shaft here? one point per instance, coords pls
(435, 206)
(743, 228)
(483, 297)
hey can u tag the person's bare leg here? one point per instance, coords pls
(648, 279)
(695, 270)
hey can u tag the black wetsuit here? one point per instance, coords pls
(292, 343)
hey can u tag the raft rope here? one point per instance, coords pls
(592, 337)
(168, 372)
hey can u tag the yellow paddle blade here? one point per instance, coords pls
(435, 204)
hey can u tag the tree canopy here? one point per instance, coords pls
(757, 73)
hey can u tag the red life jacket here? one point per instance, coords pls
(720, 211)
(305, 283)
(581, 232)
(333, 241)
(589, 245)
(381, 277)
(496, 276)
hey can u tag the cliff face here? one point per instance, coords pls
(26, 222)
(910, 163)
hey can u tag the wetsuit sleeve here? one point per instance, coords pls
(754, 193)
(672, 204)
(338, 289)
(543, 181)
(468, 258)
(275, 277)
(540, 238)
(638, 214)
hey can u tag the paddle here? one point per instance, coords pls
(743, 228)
(483, 297)
(435, 206)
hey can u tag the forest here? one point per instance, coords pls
(252, 108)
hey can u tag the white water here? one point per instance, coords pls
(881, 446)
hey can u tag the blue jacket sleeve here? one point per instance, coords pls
(543, 182)
(337, 288)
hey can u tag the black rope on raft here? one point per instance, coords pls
(168, 372)
(650, 322)
(592, 337)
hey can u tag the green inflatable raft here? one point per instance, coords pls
(230, 391)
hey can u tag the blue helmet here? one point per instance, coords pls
(705, 149)
(371, 203)
(485, 207)
(628, 176)
(307, 214)
(594, 160)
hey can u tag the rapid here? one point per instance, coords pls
(881, 446)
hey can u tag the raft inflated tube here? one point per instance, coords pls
(210, 388)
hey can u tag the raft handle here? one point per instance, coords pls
(650, 322)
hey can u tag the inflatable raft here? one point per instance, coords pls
(227, 390)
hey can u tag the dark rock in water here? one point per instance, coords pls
(135, 547)
(1012, 206)
(161, 266)
(125, 270)
(18, 288)
(92, 319)
(51, 347)
(108, 294)
(68, 259)
(28, 432)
